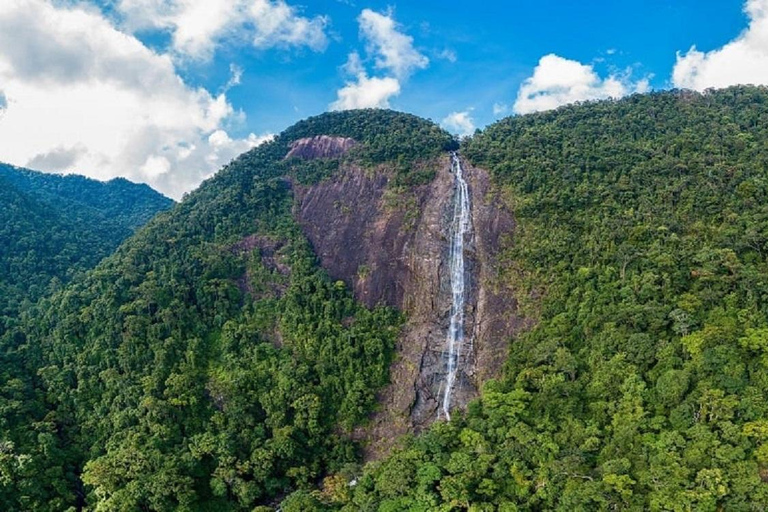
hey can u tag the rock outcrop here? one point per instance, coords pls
(394, 250)
(322, 146)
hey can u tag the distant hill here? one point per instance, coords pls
(52, 227)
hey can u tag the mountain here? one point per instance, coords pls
(52, 227)
(281, 337)
(639, 251)
(209, 362)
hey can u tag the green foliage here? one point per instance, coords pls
(387, 136)
(208, 364)
(117, 202)
(643, 225)
(52, 227)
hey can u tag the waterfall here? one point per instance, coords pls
(461, 226)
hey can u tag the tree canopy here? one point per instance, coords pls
(209, 363)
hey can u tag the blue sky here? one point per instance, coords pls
(167, 91)
(496, 48)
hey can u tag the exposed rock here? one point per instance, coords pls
(271, 259)
(496, 315)
(321, 146)
(394, 250)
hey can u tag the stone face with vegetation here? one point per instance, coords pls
(235, 353)
(639, 251)
(209, 362)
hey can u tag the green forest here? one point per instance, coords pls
(53, 227)
(643, 227)
(209, 363)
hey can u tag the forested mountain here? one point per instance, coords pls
(208, 364)
(212, 363)
(115, 204)
(52, 227)
(640, 247)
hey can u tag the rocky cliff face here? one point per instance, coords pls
(394, 250)
(322, 146)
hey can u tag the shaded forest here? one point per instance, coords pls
(53, 227)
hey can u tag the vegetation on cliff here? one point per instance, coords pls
(643, 227)
(208, 364)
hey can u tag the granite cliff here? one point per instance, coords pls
(391, 247)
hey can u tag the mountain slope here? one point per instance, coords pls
(219, 360)
(640, 247)
(55, 226)
(209, 363)
(119, 201)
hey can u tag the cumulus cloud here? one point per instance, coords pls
(393, 53)
(394, 50)
(558, 81)
(223, 148)
(198, 26)
(277, 24)
(742, 61)
(354, 65)
(85, 97)
(58, 159)
(366, 92)
(460, 123)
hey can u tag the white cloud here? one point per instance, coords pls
(460, 123)
(742, 61)
(557, 81)
(235, 76)
(394, 50)
(394, 54)
(500, 108)
(222, 148)
(199, 26)
(366, 92)
(57, 159)
(447, 54)
(643, 85)
(278, 24)
(84, 97)
(354, 65)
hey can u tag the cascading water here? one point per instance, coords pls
(461, 226)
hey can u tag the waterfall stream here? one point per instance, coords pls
(455, 340)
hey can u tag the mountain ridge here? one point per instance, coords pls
(56, 226)
(215, 361)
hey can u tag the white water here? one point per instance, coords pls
(461, 225)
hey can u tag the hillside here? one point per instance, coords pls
(640, 248)
(52, 227)
(209, 363)
(278, 339)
